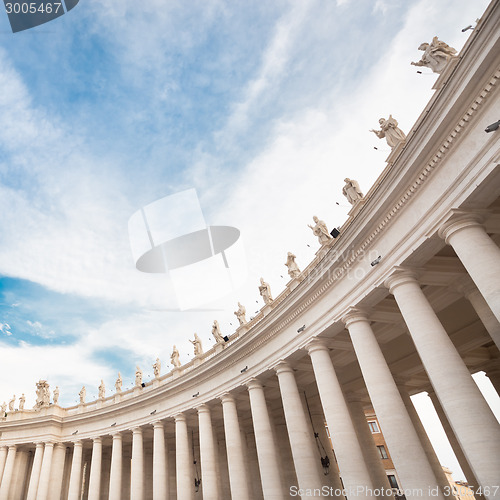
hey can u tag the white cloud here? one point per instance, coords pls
(5, 329)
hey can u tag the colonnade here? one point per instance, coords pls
(55, 472)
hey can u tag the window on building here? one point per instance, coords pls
(392, 481)
(373, 426)
(382, 451)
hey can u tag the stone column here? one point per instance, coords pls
(137, 466)
(493, 373)
(35, 472)
(304, 455)
(470, 416)
(207, 455)
(238, 480)
(473, 295)
(183, 466)
(160, 469)
(345, 442)
(268, 459)
(455, 445)
(95, 470)
(406, 450)
(7, 473)
(426, 443)
(115, 473)
(372, 456)
(43, 483)
(75, 478)
(57, 474)
(3, 458)
(478, 253)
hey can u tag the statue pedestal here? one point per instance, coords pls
(356, 208)
(446, 73)
(176, 373)
(81, 408)
(395, 152)
(156, 382)
(266, 309)
(219, 348)
(137, 390)
(322, 251)
(118, 397)
(197, 361)
(242, 329)
(292, 285)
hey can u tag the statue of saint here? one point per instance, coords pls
(389, 129)
(198, 349)
(240, 314)
(293, 268)
(118, 383)
(42, 394)
(265, 291)
(12, 402)
(321, 231)
(22, 401)
(436, 55)
(83, 395)
(174, 357)
(102, 390)
(138, 377)
(352, 191)
(56, 395)
(157, 368)
(216, 333)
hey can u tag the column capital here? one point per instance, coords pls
(49, 444)
(137, 430)
(399, 277)
(78, 443)
(180, 417)
(226, 398)
(203, 408)
(12, 447)
(282, 367)
(97, 439)
(60, 445)
(254, 383)
(317, 345)
(157, 424)
(117, 435)
(458, 222)
(354, 315)
(39, 444)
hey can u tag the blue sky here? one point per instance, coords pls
(263, 107)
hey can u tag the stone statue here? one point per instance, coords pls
(157, 368)
(293, 268)
(321, 231)
(56, 395)
(436, 55)
(12, 402)
(102, 390)
(198, 349)
(265, 291)
(138, 377)
(174, 358)
(240, 314)
(118, 383)
(389, 129)
(42, 394)
(216, 333)
(22, 401)
(3, 409)
(352, 191)
(83, 395)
